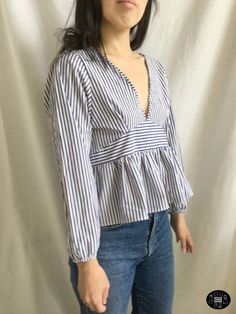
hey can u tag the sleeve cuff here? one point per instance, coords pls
(176, 210)
(84, 259)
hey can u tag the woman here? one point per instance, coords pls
(119, 160)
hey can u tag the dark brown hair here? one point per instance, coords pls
(85, 31)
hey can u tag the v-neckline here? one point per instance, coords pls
(146, 117)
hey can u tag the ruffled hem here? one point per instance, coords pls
(136, 184)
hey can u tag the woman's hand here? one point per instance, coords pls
(93, 285)
(182, 233)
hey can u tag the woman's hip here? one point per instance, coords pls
(133, 241)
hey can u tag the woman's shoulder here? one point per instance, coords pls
(70, 61)
(156, 62)
(67, 56)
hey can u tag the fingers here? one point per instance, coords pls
(98, 303)
(183, 245)
(187, 245)
(105, 296)
(190, 244)
(95, 304)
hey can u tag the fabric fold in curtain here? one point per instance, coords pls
(195, 40)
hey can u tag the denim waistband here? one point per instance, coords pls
(154, 214)
(151, 216)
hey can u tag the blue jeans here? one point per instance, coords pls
(138, 260)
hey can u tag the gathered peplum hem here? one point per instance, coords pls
(145, 181)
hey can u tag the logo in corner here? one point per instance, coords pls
(218, 299)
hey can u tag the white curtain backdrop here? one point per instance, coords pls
(195, 41)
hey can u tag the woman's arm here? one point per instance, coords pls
(174, 142)
(67, 101)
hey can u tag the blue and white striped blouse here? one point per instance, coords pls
(116, 164)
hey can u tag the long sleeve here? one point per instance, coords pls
(67, 102)
(174, 142)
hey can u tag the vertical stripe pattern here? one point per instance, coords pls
(115, 164)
